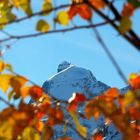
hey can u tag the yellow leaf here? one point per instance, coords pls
(24, 5)
(47, 7)
(5, 81)
(62, 18)
(24, 91)
(17, 82)
(81, 129)
(10, 94)
(1, 65)
(129, 98)
(132, 76)
(125, 25)
(8, 67)
(42, 26)
(16, 3)
(27, 9)
(29, 134)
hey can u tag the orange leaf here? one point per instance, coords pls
(84, 11)
(1, 66)
(35, 92)
(64, 138)
(17, 82)
(135, 81)
(72, 11)
(98, 4)
(128, 10)
(112, 93)
(47, 133)
(24, 91)
(98, 136)
(91, 109)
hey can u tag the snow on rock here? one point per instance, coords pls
(72, 79)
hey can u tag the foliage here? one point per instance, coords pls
(24, 121)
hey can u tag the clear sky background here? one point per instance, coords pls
(38, 58)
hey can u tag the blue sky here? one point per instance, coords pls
(38, 58)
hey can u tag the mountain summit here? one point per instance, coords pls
(70, 79)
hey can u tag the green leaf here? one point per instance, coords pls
(135, 3)
(125, 25)
(63, 18)
(42, 26)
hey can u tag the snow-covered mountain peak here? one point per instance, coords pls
(73, 79)
(63, 66)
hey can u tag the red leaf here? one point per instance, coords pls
(35, 92)
(128, 10)
(84, 11)
(98, 136)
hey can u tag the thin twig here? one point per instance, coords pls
(112, 59)
(37, 14)
(55, 31)
(5, 101)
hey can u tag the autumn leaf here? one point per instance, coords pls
(129, 98)
(125, 25)
(47, 133)
(24, 5)
(135, 3)
(29, 133)
(72, 11)
(42, 26)
(91, 109)
(58, 118)
(84, 11)
(98, 4)
(112, 93)
(35, 92)
(134, 80)
(97, 136)
(1, 65)
(5, 81)
(62, 18)
(128, 10)
(81, 129)
(17, 82)
(24, 91)
(64, 138)
(47, 7)
(74, 100)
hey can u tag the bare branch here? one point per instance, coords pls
(5, 101)
(56, 31)
(134, 42)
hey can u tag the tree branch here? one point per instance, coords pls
(56, 31)
(118, 16)
(6, 102)
(135, 43)
(112, 59)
